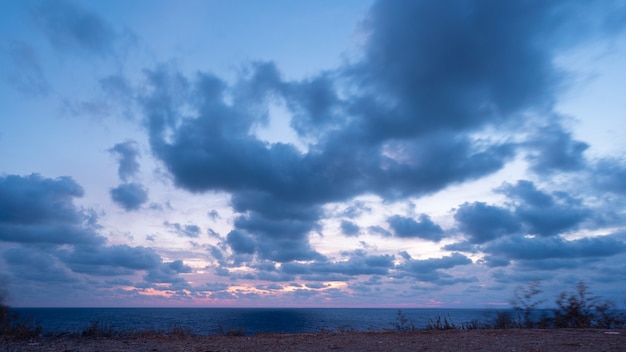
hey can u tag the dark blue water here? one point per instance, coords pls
(208, 321)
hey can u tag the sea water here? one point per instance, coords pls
(211, 321)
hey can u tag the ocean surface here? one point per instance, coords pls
(210, 321)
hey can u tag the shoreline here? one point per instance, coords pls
(427, 340)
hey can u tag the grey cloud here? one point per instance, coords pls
(545, 214)
(26, 74)
(555, 150)
(541, 249)
(609, 175)
(425, 228)
(112, 260)
(192, 231)
(414, 55)
(278, 186)
(129, 196)
(75, 234)
(118, 89)
(429, 270)
(69, 26)
(167, 273)
(34, 200)
(241, 242)
(359, 263)
(128, 154)
(482, 222)
(180, 267)
(349, 228)
(355, 209)
(401, 121)
(34, 209)
(315, 105)
(274, 277)
(36, 265)
(379, 231)
(282, 239)
(214, 215)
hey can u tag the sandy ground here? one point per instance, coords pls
(452, 340)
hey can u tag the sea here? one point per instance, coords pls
(250, 321)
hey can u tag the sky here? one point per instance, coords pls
(311, 153)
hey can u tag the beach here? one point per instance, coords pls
(447, 340)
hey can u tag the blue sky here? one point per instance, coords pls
(322, 153)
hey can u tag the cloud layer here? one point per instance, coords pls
(333, 205)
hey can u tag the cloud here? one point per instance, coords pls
(167, 273)
(413, 63)
(412, 116)
(26, 75)
(276, 185)
(429, 270)
(555, 150)
(545, 214)
(241, 242)
(528, 249)
(401, 121)
(191, 231)
(358, 263)
(609, 175)
(425, 228)
(129, 196)
(52, 243)
(70, 27)
(34, 209)
(179, 267)
(355, 209)
(110, 261)
(128, 154)
(214, 215)
(33, 264)
(349, 228)
(482, 222)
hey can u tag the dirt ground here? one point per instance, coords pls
(450, 340)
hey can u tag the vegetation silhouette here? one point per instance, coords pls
(578, 308)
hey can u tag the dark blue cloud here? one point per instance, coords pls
(355, 210)
(276, 183)
(111, 261)
(349, 228)
(34, 209)
(180, 267)
(55, 245)
(167, 273)
(127, 154)
(481, 222)
(26, 74)
(425, 228)
(456, 65)
(403, 120)
(429, 270)
(129, 196)
(69, 26)
(379, 231)
(526, 249)
(192, 231)
(359, 263)
(241, 242)
(546, 214)
(35, 264)
(282, 239)
(609, 175)
(554, 150)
